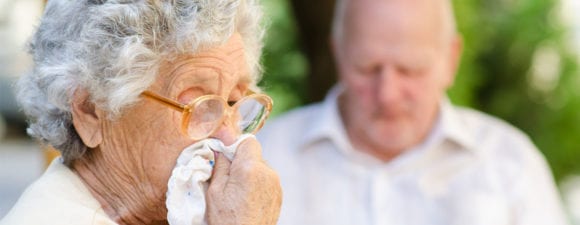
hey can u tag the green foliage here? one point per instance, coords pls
(515, 65)
(284, 64)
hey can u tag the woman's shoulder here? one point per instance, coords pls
(57, 197)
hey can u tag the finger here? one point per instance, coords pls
(221, 171)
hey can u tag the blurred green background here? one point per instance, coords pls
(518, 64)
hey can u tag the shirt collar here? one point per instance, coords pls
(328, 125)
(453, 126)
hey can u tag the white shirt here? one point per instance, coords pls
(58, 197)
(472, 170)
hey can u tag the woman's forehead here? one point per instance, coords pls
(225, 64)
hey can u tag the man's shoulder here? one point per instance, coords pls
(284, 134)
(495, 137)
(293, 120)
(483, 124)
(506, 150)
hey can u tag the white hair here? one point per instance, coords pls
(112, 49)
(341, 7)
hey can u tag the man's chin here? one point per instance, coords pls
(393, 139)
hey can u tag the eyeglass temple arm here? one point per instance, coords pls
(164, 100)
(171, 103)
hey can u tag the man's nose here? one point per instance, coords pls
(388, 86)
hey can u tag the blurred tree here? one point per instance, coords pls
(298, 65)
(314, 19)
(285, 66)
(516, 65)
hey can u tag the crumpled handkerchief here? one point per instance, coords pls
(188, 182)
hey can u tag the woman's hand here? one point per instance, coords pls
(244, 191)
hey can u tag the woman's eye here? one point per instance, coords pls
(189, 95)
(234, 99)
(238, 93)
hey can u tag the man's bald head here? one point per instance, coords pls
(395, 60)
(436, 14)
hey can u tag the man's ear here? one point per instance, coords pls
(455, 50)
(332, 46)
(86, 119)
(336, 50)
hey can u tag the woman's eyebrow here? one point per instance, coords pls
(193, 78)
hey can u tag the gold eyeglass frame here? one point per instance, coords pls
(186, 109)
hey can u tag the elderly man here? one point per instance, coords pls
(387, 147)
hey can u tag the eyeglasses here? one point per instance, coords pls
(205, 114)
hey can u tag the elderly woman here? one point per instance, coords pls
(122, 87)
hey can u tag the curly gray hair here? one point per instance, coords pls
(112, 49)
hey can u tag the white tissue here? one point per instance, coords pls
(188, 182)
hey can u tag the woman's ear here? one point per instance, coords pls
(86, 119)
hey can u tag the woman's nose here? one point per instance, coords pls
(228, 132)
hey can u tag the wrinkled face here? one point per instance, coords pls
(147, 140)
(395, 65)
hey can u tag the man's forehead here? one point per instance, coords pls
(408, 53)
(395, 15)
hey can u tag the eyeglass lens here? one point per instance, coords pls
(207, 115)
(252, 112)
